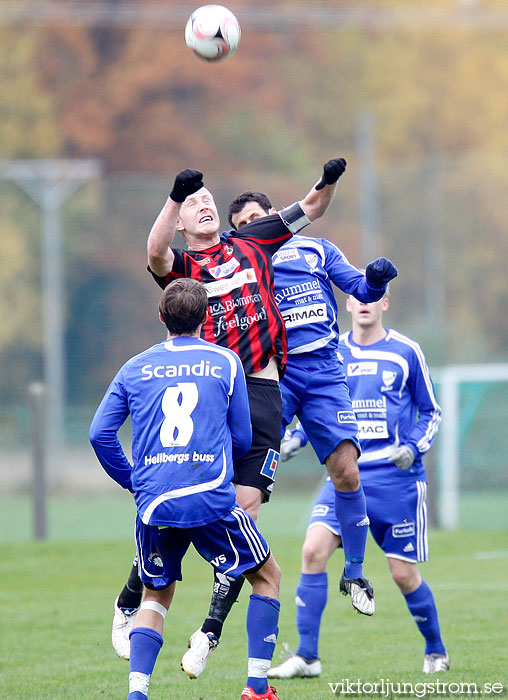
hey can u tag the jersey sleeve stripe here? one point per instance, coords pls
(425, 442)
(422, 363)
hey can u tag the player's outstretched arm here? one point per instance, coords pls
(160, 255)
(318, 199)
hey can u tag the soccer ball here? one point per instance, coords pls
(212, 32)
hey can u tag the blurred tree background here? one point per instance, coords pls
(310, 81)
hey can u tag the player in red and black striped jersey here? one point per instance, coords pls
(236, 269)
(237, 274)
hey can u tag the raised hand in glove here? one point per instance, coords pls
(402, 456)
(289, 448)
(380, 271)
(331, 172)
(186, 182)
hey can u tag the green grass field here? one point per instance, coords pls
(57, 596)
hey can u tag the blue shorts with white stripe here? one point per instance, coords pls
(233, 545)
(397, 512)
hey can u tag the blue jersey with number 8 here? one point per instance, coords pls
(190, 416)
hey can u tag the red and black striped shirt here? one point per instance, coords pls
(238, 275)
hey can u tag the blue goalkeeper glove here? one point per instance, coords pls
(186, 182)
(331, 172)
(379, 272)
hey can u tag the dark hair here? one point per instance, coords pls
(238, 204)
(183, 306)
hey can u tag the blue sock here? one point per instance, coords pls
(422, 607)
(351, 512)
(262, 631)
(145, 646)
(311, 596)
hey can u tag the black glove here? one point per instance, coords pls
(187, 182)
(379, 272)
(331, 172)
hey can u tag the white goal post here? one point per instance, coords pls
(449, 379)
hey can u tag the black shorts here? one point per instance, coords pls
(258, 467)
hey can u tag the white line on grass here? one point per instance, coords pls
(500, 554)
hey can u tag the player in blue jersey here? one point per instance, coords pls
(236, 269)
(398, 417)
(189, 410)
(314, 386)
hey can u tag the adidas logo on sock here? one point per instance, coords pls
(363, 522)
(419, 618)
(272, 639)
(409, 547)
(299, 602)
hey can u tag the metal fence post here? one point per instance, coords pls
(37, 392)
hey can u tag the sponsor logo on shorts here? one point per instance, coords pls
(269, 468)
(320, 511)
(346, 417)
(403, 530)
(155, 559)
(360, 369)
(283, 255)
(225, 269)
(301, 315)
(221, 559)
(220, 287)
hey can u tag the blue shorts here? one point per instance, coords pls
(397, 514)
(233, 545)
(316, 391)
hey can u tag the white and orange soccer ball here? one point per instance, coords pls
(212, 32)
